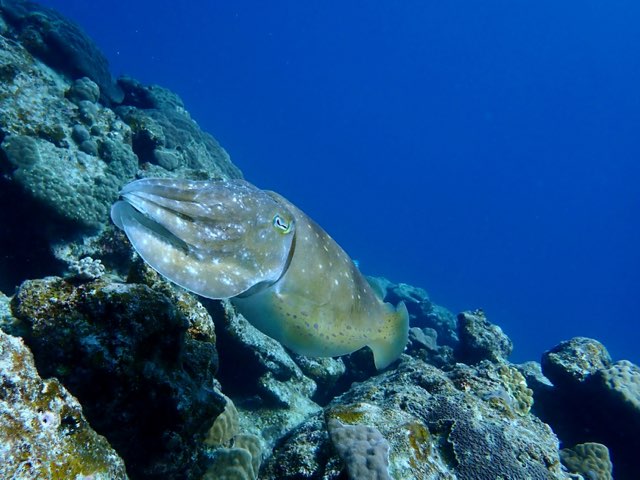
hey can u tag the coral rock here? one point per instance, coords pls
(481, 340)
(438, 425)
(126, 352)
(59, 43)
(363, 449)
(593, 400)
(43, 433)
(574, 360)
(591, 460)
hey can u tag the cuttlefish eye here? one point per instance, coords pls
(281, 224)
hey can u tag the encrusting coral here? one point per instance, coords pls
(43, 433)
(232, 455)
(363, 449)
(591, 460)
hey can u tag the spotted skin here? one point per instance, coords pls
(284, 273)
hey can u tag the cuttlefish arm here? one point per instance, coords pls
(218, 239)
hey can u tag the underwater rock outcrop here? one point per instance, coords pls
(142, 366)
(59, 43)
(69, 140)
(469, 423)
(164, 135)
(423, 313)
(481, 340)
(43, 432)
(593, 399)
(271, 392)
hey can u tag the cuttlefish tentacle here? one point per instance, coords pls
(283, 272)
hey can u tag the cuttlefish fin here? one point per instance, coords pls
(395, 331)
(377, 287)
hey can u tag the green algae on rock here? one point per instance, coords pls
(43, 432)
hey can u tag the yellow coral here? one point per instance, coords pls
(420, 441)
(517, 388)
(224, 427)
(350, 414)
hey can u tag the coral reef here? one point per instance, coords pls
(65, 151)
(143, 374)
(593, 400)
(328, 373)
(225, 426)
(574, 360)
(436, 427)
(86, 268)
(422, 312)
(38, 125)
(164, 135)
(232, 455)
(273, 395)
(423, 344)
(241, 461)
(59, 43)
(43, 433)
(126, 352)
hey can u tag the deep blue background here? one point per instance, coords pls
(486, 151)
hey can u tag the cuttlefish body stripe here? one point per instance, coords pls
(282, 271)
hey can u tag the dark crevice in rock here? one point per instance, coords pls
(25, 238)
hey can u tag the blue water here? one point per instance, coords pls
(486, 151)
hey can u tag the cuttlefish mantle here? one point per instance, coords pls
(281, 270)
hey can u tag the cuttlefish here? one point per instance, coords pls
(282, 271)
